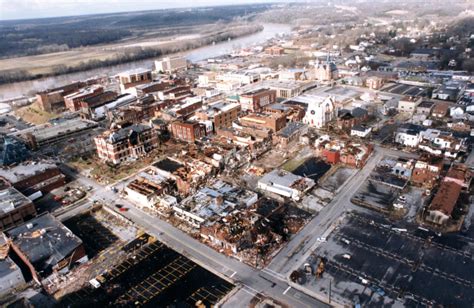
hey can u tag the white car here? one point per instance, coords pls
(322, 239)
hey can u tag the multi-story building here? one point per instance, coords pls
(46, 246)
(254, 101)
(374, 82)
(131, 142)
(272, 121)
(187, 131)
(222, 114)
(171, 64)
(30, 178)
(15, 208)
(53, 99)
(133, 78)
(320, 111)
(408, 104)
(274, 51)
(74, 101)
(427, 171)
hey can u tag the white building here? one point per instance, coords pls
(361, 131)
(408, 137)
(320, 111)
(171, 64)
(285, 184)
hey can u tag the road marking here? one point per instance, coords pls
(287, 289)
(233, 274)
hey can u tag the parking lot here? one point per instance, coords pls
(152, 275)
(381, 264)
(405, 89)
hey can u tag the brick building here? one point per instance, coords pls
(74, 101)
(272, 121)
(222, 114)
(53, 99)
(131, 142)
(254, 101)
(427, 172)
(187, 131)
(15, 208)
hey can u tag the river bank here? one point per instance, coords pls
(30, 87)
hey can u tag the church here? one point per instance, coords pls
(320, 111)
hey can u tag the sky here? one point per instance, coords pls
(24, 9)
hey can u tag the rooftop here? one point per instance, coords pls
(283, 178)
(11, 199)
(219, 198)
(48, 130)
(114, 136)
(290, 129)
(24, 170)
(135, 71)
(45, 241)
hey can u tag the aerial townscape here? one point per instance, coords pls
(273, 154)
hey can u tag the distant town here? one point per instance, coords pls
(327, 166)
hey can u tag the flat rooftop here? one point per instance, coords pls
(11, 199)
(44, 240)
(48, 131)
(24, 170)
(168, 165)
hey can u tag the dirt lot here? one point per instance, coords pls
(33, 114)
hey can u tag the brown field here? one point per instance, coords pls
(46, 63)
(33, 114)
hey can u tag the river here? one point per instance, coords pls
(30, 87)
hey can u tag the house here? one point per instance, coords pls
(408, 104)
(285, 184)
(361, 131)
(440, 110)
(424, 107)
(427, 171)
(441, 207)
(408, 135)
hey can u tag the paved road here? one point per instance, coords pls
(271, 281)
(253, 281)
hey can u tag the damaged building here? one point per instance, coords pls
(215, 200)
(46, 246)
(286, 184)
(147, 188)
(123, 143)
